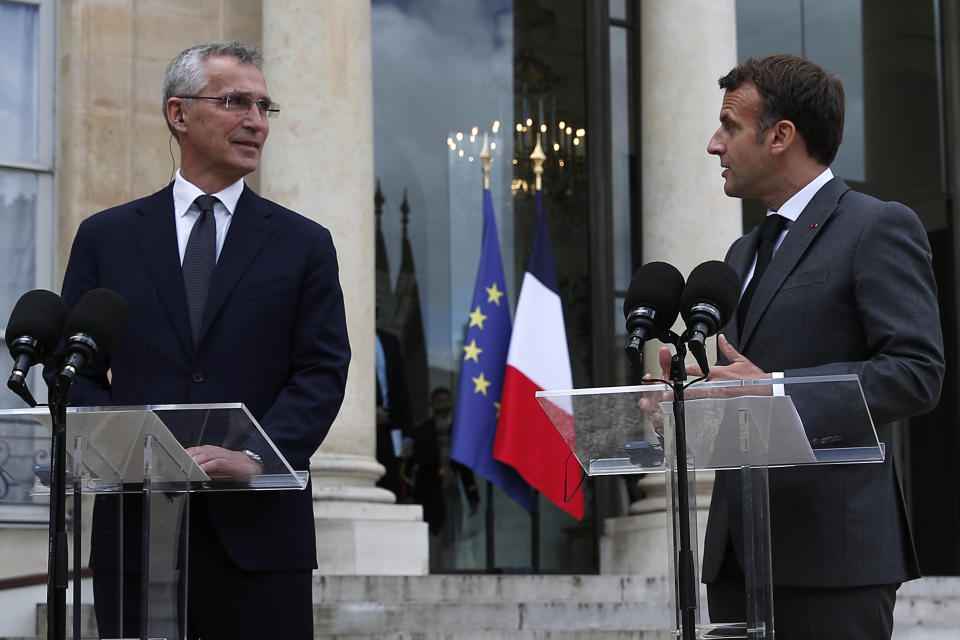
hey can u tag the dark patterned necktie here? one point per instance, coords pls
(198, 261)
(770, 230)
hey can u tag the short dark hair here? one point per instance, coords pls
(795, 89)
(187, 75)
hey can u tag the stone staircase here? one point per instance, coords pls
(544, 607)
(468, 607)
(928, 609)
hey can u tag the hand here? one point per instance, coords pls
(740, 368)
(666, 357)
(650, 402)
(217, 461)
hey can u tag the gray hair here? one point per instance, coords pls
(186, 75)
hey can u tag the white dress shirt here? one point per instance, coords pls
(186, 212)
(791, 210)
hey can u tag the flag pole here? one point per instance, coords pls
(487, 159)
(488, 512)
(537, 156)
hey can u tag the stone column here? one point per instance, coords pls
(686, 48)
(687, 219)
(319, 162)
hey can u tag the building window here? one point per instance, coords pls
(27, 112)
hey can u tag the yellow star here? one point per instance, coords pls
(481, 384)
(494, 294)
(476, 318)
(472, 351)
(497, 405)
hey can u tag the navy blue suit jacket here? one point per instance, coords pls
(273, 337)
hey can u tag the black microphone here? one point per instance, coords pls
(650, 307)
(33, 332)
(92, 329)
(708, 301)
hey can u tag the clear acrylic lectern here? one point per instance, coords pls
(747, 425)
(135, 460)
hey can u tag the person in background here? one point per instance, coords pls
(440, 480)
(393, 409)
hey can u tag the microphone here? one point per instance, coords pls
(92, 330)
(708, 301)
(650, 307)
(33, 332)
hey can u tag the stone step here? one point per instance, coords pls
(928, 605)
(515, 635)
(506, 618)
(489, 588)
(546, 607)
(442, 606)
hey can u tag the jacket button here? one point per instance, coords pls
(198, 377)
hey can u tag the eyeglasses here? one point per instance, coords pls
(235, 103)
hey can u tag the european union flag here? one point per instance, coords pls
(482, 366)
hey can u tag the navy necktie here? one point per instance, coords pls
(770, 230)
(198, 261)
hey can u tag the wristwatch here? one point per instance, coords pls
(253, 455)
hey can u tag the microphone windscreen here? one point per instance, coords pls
(39, 314)
(102, 314)
(713, 282)
(657, 286)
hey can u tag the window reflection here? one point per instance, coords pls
(448, 73)
(18, 214)
(18, 82)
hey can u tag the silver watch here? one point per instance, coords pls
(253, 455)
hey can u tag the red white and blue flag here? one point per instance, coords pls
(538, 359)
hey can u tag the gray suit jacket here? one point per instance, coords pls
(850, 290)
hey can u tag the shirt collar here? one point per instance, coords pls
(792, 208)
(185, 192)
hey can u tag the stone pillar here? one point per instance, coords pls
(687, 219)
(319, 162)
(685, 48)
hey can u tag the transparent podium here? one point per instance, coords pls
(134, 461)
(744, 425)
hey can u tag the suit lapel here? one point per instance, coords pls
(802, 232)
(740, 257)
(251, 226)
(155, 233)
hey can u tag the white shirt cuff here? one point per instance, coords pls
(777, 388)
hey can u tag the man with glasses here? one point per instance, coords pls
(232, 298)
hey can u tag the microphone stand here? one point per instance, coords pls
(57, 541)
(685, 561)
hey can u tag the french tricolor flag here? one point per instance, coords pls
(538, 359)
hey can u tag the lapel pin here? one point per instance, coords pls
(814, 225)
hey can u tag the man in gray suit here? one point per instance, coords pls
(849, 289)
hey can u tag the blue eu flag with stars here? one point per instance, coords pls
(483, 360)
